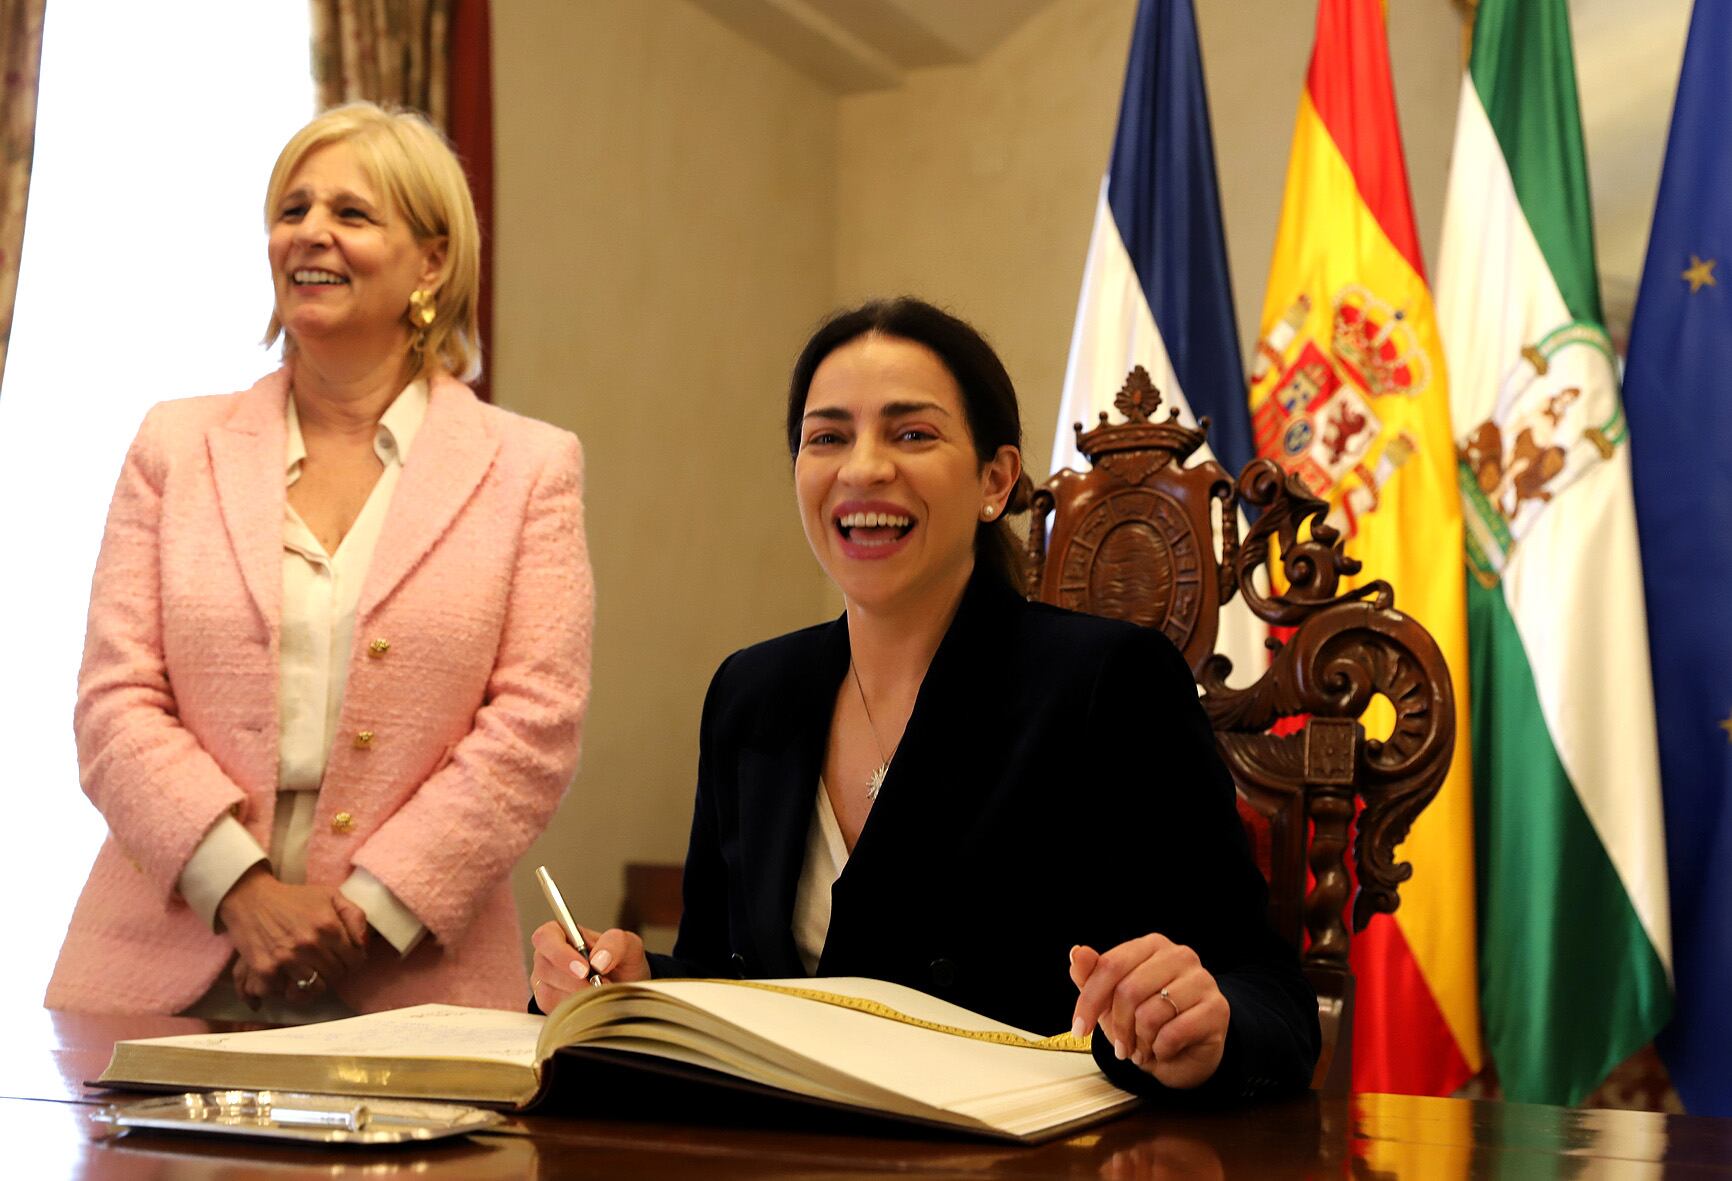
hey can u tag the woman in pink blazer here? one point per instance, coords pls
(338, 649)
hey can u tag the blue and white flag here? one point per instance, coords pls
(1678, 398)
(1155, 291)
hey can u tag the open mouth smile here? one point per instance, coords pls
(317, 277)
(874, 532)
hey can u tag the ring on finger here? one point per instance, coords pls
(1168, 997)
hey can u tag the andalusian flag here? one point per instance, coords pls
(1575, 940)
(1349, 390)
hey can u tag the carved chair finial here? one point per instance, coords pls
(1138, 399)
(1161, 440)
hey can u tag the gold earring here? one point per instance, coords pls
(421, 309)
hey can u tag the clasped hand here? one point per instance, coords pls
(291, 942)
(1156, 1003)
(560, 969)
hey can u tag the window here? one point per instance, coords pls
(143, 278)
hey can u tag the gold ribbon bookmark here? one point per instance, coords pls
(1064, 1042)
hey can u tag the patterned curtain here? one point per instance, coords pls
(471, 131)
(392, 52)
(20, 59)
(434, 56)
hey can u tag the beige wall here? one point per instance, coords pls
(665, 229)
(976, 185)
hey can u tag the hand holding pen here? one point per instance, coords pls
(570, 957)
(567, 925)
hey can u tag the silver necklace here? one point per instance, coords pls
(875, 780)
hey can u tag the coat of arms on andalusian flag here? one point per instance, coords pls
(1557, 414)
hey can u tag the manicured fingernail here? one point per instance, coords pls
(1077, 1027)
(1138, 1057)
(579, 968)
(1071, 956)
(603, 960)
(1119, 1051)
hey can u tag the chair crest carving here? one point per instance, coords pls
(1142, 537)
(1127, 541)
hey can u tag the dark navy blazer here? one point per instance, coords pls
(1057, 784)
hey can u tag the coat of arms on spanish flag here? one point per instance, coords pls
(1349, 391)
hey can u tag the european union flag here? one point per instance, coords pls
(1678, 398)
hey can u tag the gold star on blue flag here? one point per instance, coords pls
(1680, 436)
(1699, 274)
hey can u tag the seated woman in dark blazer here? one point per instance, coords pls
(1011, 806)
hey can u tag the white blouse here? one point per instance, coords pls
(826, 858)
(320, 595)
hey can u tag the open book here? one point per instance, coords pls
(862, 1044)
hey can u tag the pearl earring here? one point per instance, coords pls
(990, 509)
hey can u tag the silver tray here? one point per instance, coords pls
(298, 1116)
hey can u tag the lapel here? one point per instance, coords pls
(927, 797)
(778, 781)
(453, 451)
(935, 786)
(247, 450)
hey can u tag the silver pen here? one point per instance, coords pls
(556, 900)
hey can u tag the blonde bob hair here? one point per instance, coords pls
(408, 160)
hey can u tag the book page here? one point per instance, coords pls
(843, 1050)
(444, 1032)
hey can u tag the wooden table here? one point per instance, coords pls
(44, 1126)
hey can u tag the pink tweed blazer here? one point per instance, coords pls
(480, 585)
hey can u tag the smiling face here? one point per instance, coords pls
(889, 484)
(343, 258)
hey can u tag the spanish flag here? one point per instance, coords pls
(1348, 389)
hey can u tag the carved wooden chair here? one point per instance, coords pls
(1134, 538)
(651, 897)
